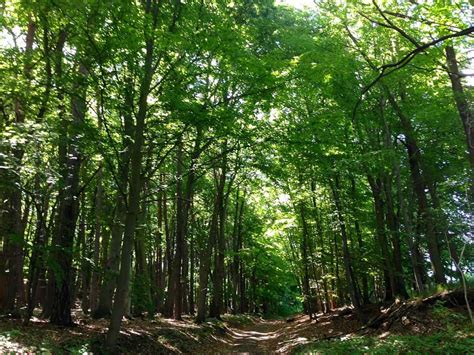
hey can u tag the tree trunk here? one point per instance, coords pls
(360, 245)
(135, 186)
(180, 235)
(239, 206)
(68, 209)
(217, 302)
(392, 228)
(191, 274)
(205, 263)
(160, 281)
(351, 281)
(95, 282)
(11, 231)
(376, 186)
(305, 261)
(111, 271)
(419, 187)
(465, 113)
(84, 253)
(142, 296)
(168, 304)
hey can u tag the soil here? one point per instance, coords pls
(233, 334)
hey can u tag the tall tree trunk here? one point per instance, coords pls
(235, 249)
(180, 235)
(360, 244)
(160, 284)
(419, 185)
(68, 209)
(217, 302)
(141, 278)
(465, 113)
(351, 281)
(205, 263)
(392, 228)
(376, 186)
(336, 281)
(11, 231)
(135, 186)
(84, 252)
(417, 273)
(42, 197)
(305, 261)
(191, 274)
(104, 308)
(414, 157)
(242, 290)
(37, 260)
(95, 282)
(168, 304)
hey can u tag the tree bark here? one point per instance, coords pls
(135, 186)
(68, 209)
(465, 113)
(305, 260)
(95, 282)
(351, 281)
(180, 235)
(419, 186)
(376, 186)
(104, 308)
(205, 263)
(160, 281)
(394, 234)
(11, 231)
(219, 271)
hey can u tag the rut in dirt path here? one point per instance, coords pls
(268, 336)
(282, 337)
(257, 338)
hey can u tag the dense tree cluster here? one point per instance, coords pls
(203, 157)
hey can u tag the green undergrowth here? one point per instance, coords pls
(434, 289)
(17, 341)
(460, 342)
(452, 333)
(147, 337)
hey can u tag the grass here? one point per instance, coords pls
(453, 335)
(460, 342)
(16, 340)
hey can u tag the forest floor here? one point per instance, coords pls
(406, 327)
(233, 334)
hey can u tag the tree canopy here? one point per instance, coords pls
(206, 157)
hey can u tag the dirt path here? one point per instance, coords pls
(266, 336)
(261, 337)
(164, 336)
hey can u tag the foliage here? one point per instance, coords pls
(455, 342)
(190, 157)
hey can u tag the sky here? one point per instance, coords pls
(300, 4)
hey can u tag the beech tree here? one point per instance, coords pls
(210, 157)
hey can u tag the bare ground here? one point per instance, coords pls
(168, 336)
(234, 334)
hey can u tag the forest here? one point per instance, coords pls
(236, 176)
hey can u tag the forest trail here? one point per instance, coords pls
(232, 335)
(248, 334)
(264, 336)
(260, 337)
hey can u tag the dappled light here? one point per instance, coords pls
(236, 176)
